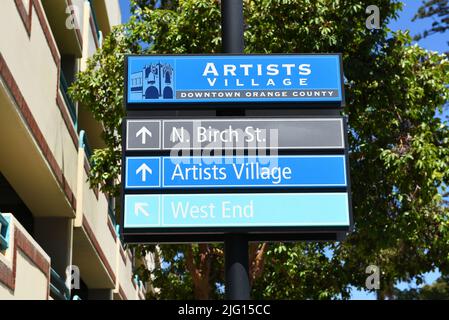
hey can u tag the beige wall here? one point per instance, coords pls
(124, 270)
(79, 11)
(114, 12)
(89, 46)
(30, 282)
(37, 77)
(28, 167)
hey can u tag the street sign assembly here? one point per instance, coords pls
(282, 175)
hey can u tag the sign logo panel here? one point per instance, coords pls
(233, 78)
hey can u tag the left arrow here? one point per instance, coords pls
(144, 169)
(140, 207)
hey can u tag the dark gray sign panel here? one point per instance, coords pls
(252, 134)
(235, 134)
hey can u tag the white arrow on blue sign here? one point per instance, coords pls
(143, 210)
(143, 170)
(140, 208)
(143, 173)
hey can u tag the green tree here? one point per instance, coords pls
(399, 150)
(439, 290)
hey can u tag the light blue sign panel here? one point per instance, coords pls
(239, 210)
(142, 211)
(254, 171)
(143, 172)
(246, 78)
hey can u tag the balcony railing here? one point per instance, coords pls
(4, 232)
(139, 284)
(94, 16)
(111, 210)
(69, 102)
(58, 288)
(84, 144)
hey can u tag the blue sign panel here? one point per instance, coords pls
(231, 78)
(254, 171)
(237, 210)
(143, 173)
(236, 172)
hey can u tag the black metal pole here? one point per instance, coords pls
(236, 245)
(236, 267)
(232, 26)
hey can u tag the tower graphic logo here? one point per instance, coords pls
(155, 81)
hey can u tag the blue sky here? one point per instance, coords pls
(124, 5)
(436, 42)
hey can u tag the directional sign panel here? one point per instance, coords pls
(237, 210)
(323, 171)
(235, 134)
(251, 134)
(143, 173)
(251, 172)
(166, 79)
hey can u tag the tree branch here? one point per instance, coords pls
(257, 260)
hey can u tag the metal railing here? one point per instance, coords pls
(4, 232)
(111, 210)
(58, 288)
(139, 283)
(69, 102)
(84, 143)
(94, 17)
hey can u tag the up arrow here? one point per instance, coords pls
(140, 207)
(144, 169)
(144, 132)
